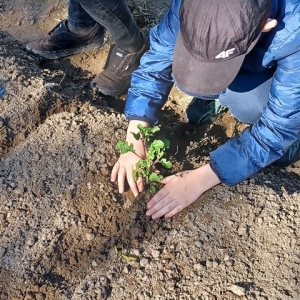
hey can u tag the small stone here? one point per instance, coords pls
(94, 263)
(135, 252)
(242, 230)
(208, 263)
(89, 236)
(144, 262)
(237, 290)
(197, 267)
(155, 253)
(226, 257)
(30, 242)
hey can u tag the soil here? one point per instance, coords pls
(66, 232)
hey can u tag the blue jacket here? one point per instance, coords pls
(279, 125)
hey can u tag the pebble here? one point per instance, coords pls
(209, 263)
(89, 236)
(226, 257)
(242, 230)
(135, 252)
(30, 242)
(237, 290)
(155, 253)
(144, 262)
(94, 263)
(197, 267)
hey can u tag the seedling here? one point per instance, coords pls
(146, 166)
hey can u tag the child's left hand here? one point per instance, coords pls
(180, 191)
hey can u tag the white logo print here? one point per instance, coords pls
(225, 54)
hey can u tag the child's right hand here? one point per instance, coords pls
(125, 165)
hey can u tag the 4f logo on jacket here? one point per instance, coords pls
(225, 54)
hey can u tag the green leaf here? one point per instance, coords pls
(151, 154)
(157, 144)
(124, 147)
(147, 132)
(155, 177)
(152, 189)
(143, 164)
(137, 136)
(166, 143)
(166, 163)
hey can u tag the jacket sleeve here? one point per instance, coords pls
(152, 81)
(269, 138)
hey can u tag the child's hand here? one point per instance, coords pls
(123, 169)
(180, 191)
(125, 165)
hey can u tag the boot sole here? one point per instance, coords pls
(110, 92)
(113, 93)
(64, 53)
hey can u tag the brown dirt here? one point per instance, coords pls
(63, 224)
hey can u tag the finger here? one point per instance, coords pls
(170, 206)
(161, 205)
(132, 183)
(158, 197)
(121, 178)
(140, 184)
(167, 179)
(114, 172)
(174, 211)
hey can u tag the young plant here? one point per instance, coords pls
(146, 166)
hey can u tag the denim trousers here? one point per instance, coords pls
(248, 95)
(113, 15)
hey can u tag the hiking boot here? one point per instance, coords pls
(291, 156)
(61, 42)
(115, 78)
(202, 111)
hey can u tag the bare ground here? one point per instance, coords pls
(63, 225)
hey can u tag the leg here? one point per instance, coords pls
(115, 16)
(84, 30)
(78, 17)
(62, 41)
(130, 44)
(247, 96)
(246, 99)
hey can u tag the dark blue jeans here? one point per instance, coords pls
(113, 15)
